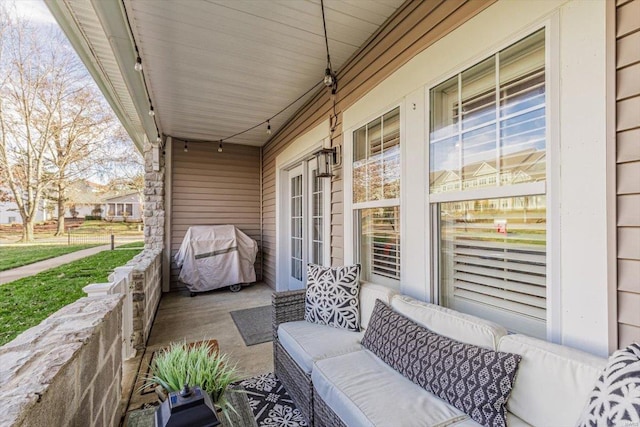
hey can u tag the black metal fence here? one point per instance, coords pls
(88, 236)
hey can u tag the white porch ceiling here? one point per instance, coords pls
(218, 67)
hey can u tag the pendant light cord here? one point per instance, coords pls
(326, 39)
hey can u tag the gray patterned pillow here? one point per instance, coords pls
(615, 399)
(473, 379)
(332, 296)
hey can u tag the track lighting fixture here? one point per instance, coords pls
(186, 148)
(159, 139)
(138, 66)
(151, 112)
(268, 128)
(220, 147)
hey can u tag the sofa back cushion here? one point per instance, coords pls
(553, 381)
(369, 293)
(475, 380)
(450, 323)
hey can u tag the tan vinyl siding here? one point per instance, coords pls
(628, 169)
(415, 26)
(209, 187)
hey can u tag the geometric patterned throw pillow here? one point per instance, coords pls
(332, 296)
(615, 399)
(475, 380)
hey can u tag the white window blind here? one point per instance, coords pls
(493, 260)
(380, 243)
(386, 243)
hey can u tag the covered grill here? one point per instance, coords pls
(215, 256)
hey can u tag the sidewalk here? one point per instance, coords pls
(37, 267)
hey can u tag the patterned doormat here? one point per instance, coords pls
(270, 402)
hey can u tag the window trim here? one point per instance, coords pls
(550, 188)
(350, 239)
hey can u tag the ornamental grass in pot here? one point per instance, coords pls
(199, 364)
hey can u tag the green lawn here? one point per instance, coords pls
(17, 256)
(24, 303)
(132, 245)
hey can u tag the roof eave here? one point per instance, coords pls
(121, 50)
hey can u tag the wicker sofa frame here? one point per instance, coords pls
(289, 307)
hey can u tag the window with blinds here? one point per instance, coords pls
(488, 130)
(376, 198)
(379, 235)
(493, 260)
(487, 124)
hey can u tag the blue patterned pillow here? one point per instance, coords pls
(332, 296)
(615, 399)
(475, 380)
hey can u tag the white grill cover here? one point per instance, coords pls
(214, 256)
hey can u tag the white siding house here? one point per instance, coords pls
(126, 207)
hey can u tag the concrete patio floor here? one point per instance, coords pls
(205, 316)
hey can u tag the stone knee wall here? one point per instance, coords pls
(147, 289)
(67, 371)
(153, 201)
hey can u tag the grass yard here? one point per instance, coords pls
(132, 245)
(17, 256)
(26, 302)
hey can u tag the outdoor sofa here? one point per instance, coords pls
(335, 381)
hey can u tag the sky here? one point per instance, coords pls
(34, 10)
(38, 13)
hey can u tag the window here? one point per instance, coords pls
(488, 134)
(111, 211)
(489, 120)
(376, 198)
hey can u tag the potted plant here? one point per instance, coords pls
(198, 364)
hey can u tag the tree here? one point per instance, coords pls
(54, 123)
(25, 67)
(82, 125)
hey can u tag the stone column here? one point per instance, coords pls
(153, 200)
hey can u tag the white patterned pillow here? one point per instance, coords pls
(333, 296)
(615, 399)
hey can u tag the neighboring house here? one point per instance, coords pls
(10, 214)
(487, 150)
(125, 207)
(84, 198)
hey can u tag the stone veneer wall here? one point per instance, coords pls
(67, 371)
(153, 201)
(146, 276)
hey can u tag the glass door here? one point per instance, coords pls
(308, 225)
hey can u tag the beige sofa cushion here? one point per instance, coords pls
(365, 392)
(307, 342)
(369, 293)
(450, 323)
(553, 381)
